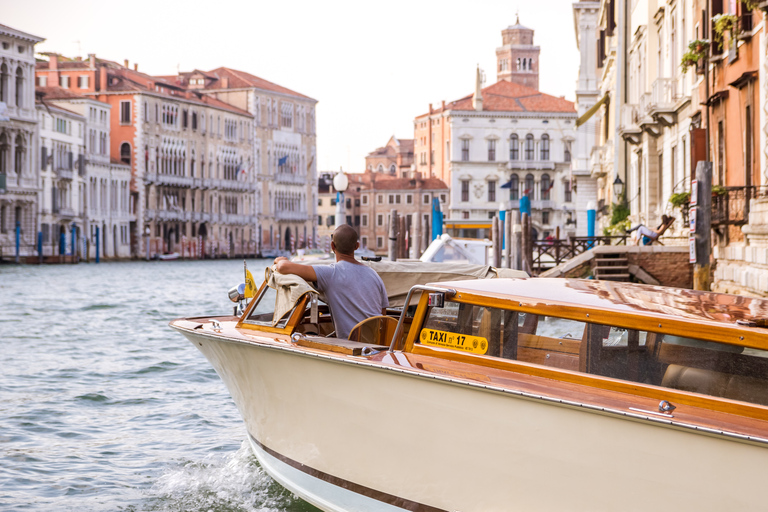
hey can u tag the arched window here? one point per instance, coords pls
(19, 87)
(546, 186)
(514, 187)
(3, 153)
(545, 147)
(514, 147)
(529, 147)
(528, 186)
(19, 160)
(392, 169)
(4, 83)
(125, 153)
(380, 168)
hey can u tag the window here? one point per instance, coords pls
(442, 198)
(379, 242)
(545, 218)
(364, 242)
(194, 120)
(125, 112)
(286, 115)
(425, 199)
(64, 82)
(125, 153)
(4, 83)
(528, 186)
(42, 81)
(465, 150)
(529, 147)
(568, 195)
(409, 199)
(546, 186)
(491, 150)
(19, 87)
(379, 220)
(514, 187)
(514, 147)
(82, 81)
(567, 151)
(319, 201)
(380, 199)
(365, 220)
(545, 147)
(464, 190)
(365, 198)
(491, 191)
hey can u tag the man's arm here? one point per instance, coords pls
(306, 272)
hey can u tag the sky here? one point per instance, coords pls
(372, 66)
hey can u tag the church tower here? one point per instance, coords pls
(518, 59)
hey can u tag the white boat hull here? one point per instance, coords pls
(351, 436)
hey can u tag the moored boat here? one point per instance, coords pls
(503, 394)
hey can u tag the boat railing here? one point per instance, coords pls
(448, 292)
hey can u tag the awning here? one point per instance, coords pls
(589, 113)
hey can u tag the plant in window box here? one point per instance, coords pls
(752, 4)
(697, 52)
(681, 201)
(723, 23)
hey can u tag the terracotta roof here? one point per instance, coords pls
(394, 183)
(57, 93)
(506, 96)
(241, 79)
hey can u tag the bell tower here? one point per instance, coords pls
(517, 60)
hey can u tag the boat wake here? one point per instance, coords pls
(224, 482)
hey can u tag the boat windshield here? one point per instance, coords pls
(655, 358)
(264, 311)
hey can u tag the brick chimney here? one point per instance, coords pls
(127, 64)
(92, 60)
(135, 66)
(103, 85)
(53, 62)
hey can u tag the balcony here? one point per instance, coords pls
(646, 121)
(289, 177)
(732, 207)
(287, 215)
(629, 129)
(173, 180)
(66, 212)
(664, 100)
(234, 185)
(65, 174)
(532, 165)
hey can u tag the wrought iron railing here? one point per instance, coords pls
(731, 208)
(550, 253)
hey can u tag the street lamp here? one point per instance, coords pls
(340, 183)
(618, 188)
(146, 239)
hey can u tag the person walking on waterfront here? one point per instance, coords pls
(353, 290)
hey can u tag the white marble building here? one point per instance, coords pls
(19, 176)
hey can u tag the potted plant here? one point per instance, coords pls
(723, 23)
(752, 4)
(681, 201)
(697, 50)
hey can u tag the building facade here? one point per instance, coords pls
(283, 153)
(19, 176)
(395, 158)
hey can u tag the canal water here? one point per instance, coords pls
(103, 407)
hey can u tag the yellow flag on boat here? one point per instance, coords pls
(250, 284)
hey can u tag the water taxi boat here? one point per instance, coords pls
(504, 394)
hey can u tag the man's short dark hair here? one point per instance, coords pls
(345, 238)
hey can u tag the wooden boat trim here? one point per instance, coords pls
(755, 412)
(702, 329)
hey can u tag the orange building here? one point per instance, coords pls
(396, 158)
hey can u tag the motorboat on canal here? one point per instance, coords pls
(502, 394)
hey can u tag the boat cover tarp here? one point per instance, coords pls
(398, 277)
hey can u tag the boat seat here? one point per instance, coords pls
(710, 382)
(377, 330)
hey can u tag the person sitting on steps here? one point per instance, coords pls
(647, 235)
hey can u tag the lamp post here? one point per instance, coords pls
(618, 189)
(146, 239)
(340, 183)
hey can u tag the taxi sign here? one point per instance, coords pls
(452, 340)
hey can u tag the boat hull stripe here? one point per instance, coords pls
(384, 497)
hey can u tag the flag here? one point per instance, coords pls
(283, 160)
(250, 284)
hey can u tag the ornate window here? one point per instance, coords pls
(529, 147)
(528, 185)
(514, 187)
(492, 150)
(19, 87)
(125, 153)
(546, 186)
(514, 147)
(545, 147)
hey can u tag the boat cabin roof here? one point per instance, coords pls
(608, 301)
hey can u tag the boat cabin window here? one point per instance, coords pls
(659, 359)
(264, 311)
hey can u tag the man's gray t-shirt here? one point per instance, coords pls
(354, 293)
